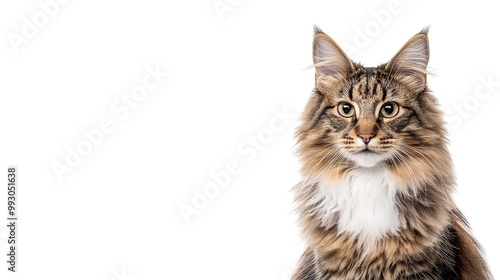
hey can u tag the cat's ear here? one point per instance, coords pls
(329, 59)
(410, 62)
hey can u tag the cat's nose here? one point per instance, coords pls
(366, 137)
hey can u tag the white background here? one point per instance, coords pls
(116, 214)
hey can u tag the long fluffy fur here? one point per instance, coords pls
(431, 239)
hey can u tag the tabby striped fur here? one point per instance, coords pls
(412, 232)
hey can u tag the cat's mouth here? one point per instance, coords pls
(367, 151)
(367, 157)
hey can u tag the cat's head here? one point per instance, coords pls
(369, 117)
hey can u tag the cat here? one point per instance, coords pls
(375, 201)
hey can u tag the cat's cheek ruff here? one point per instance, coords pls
(363, 204)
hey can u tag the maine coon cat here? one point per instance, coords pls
(375, 200)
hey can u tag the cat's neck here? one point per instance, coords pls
(363, 204)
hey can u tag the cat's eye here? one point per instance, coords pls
(389, 109)
(346, 109)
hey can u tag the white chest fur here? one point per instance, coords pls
(364, 202)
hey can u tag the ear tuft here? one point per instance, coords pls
(317, 30)
(410, 62)
(329, 59)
